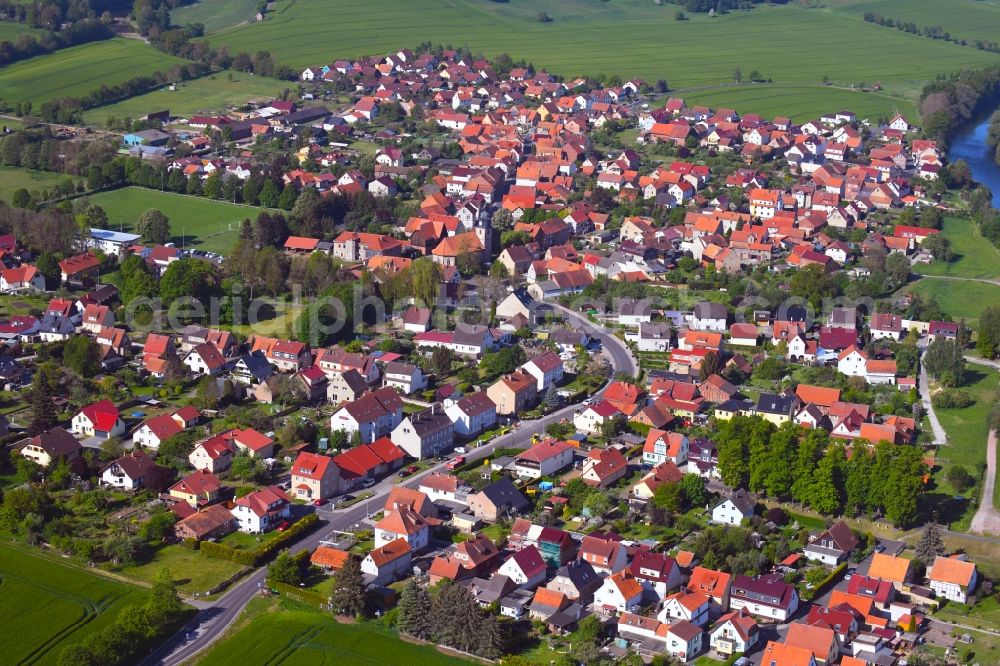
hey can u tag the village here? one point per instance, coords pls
(637, 371)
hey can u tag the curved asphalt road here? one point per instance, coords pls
(215, 617)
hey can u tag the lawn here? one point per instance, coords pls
(15, 178)
(800, 102)
(194, 221)
(80, 70)
(297, 635)
(209, 94)
(10, 31)
(192, 571)
(626, 37)
(47, 605)
(215, 14)
(958, 299)
(974, 256)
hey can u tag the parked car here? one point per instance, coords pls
(368, 483)
(282, 526)
(319, 501)
(460, 449)
(457, 462)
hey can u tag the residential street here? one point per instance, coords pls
(214, 618)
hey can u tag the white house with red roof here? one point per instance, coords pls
(662, 446)
(205, 359)
(619, 593)
(525, 568)
(657, 573)
(156, 429)
(603, 467)
(544, 459)
(254, 443)
(261, 510)
(214, 454)
(547, 369)
(101, 420)
(23, 278)
(594, 417)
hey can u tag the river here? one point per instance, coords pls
(970, 145)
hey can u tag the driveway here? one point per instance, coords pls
(987, 518)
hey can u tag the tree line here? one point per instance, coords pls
(950, 101)
(807, 466)
(29, 46)
(929, 31)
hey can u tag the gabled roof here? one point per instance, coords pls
(952, 570)
(889, 567)
(103, 415)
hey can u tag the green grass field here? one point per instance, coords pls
(300, 636)
(215, 14)
(80, 70)
(208, 94)
(9, 32)
(967, 428)
(964, 19)
(801, 102)
(958, 299)
(14, 178)
(975, 257)
(625, 37)
(197, 222)
(45, 605)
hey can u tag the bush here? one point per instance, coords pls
(951, 399)
(220, 552)
(190, 544)
(264, 551)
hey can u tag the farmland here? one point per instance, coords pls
(197, 222)
(80, 70)
(215, 14)
(301, 636)
(629, 38)
(964, 19)
(48, 605)
(800, 102)
(13, 179)
(211, 93)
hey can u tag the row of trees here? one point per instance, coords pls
(807, 467)
(948, 102)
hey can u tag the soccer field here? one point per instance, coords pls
(45, 605)
(194, 222)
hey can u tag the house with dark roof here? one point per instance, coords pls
(131, 471)
(577, 580)
(766, 596)
(425, 434)
(735, 509)
(373, 415)
(50, 446)
(832, 546)
(496, 500)
(471, 414)
(775, 408)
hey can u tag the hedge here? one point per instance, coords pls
(310, 597)
(827, 582)
(265, 551)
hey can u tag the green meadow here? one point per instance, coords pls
(211, 93)
(975, 257)
(215, 14)
(80, 70)
(959, 299)
(963, 19)
(15, 178)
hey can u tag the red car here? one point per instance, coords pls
(412, 469)
(460, 460)
(319, 502)
(282, 526)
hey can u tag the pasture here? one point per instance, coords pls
(15, 178)
(215, 14)
(46, 605)
(801, 102)
(80, 70)
(958, 298)
(196, 222)
(625, 37)
(301, 636)
(9, 31)
(209, 94)
(975, 257)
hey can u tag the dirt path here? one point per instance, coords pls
(940, 436)
(987, 518)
